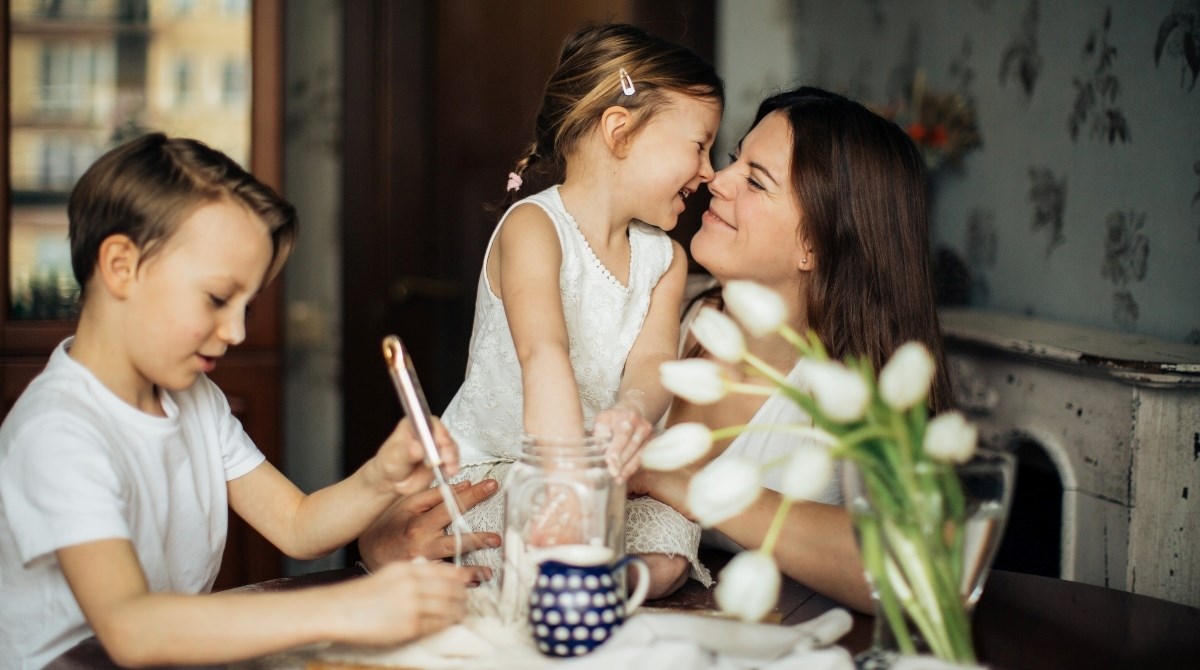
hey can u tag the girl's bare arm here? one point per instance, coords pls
(529, 258)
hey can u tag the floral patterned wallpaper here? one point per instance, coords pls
(1082, 203)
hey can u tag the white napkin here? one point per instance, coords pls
(647, 640)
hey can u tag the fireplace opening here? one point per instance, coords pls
(1032, 542)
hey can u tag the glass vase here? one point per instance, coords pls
(927, 539)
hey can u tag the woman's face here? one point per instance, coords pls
(750, 230)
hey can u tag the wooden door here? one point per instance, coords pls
(439, 99)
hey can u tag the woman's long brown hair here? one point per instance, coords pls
(861, 186)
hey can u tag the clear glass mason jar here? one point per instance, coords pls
(559, 492)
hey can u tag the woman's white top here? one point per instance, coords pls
(766, 446)
(603, 319)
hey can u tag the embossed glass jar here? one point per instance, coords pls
(558, 492)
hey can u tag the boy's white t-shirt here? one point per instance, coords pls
(78, 464)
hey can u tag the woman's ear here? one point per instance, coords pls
(117, 263)
(615, 124)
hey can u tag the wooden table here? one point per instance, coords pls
(1022, 622)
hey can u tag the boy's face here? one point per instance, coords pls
(188, 304)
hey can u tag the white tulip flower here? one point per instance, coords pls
(760, 310)
(695, 380)
(749, 586)
(807, 472)
(906, 378)
(949, 437)
(719, 335)
(723, 489)
(840, 392)
(679, 445)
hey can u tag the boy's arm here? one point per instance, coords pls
(311, 526)
(641, 398)
(139, 628)
(530, 258)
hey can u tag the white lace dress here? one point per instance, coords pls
(603, 319)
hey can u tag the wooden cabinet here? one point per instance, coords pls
(69, 69)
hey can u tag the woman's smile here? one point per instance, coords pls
(712, 218)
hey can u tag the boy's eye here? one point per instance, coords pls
(217, 301)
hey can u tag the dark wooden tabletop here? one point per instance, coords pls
(1022, 622)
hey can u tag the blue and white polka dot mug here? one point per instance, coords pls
(577, 602)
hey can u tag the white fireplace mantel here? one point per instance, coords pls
(1119, 416)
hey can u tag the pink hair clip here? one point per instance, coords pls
(514, 182)
(627, 83)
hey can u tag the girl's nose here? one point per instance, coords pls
(706, 170)
(233, 328)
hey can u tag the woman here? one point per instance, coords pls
(825, 203)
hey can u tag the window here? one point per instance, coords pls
(233, 82)
(183, 83)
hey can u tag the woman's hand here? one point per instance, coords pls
(625, 423)
(668, 487)
(414, 527)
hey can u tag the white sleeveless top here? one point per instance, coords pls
(603, 319)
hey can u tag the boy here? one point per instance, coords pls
(117, 462)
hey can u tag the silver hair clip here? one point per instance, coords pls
(627, 83)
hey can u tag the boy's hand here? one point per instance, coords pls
(401, 458)
(403, 601)
(628, 428)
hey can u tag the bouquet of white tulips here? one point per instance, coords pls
(911, 541)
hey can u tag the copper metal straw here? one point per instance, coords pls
(412, 398)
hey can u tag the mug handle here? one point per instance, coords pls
(643, 582)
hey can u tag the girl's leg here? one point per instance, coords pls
(667, 574)
(667, 541)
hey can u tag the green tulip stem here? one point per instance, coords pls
(776, 527)
(765, 369)
(749, 389)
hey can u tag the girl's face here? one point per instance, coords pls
(188, 303)
(750, 230)
(668, 159)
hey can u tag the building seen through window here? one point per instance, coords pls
(86, 75)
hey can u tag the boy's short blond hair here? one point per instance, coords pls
(147, 187)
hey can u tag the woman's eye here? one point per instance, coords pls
(754, 184)
(732, 159)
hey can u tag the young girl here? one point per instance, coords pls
(118, 462)
(578, 301)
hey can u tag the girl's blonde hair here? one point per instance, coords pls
(588, 80)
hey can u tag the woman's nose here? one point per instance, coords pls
(718, 183)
